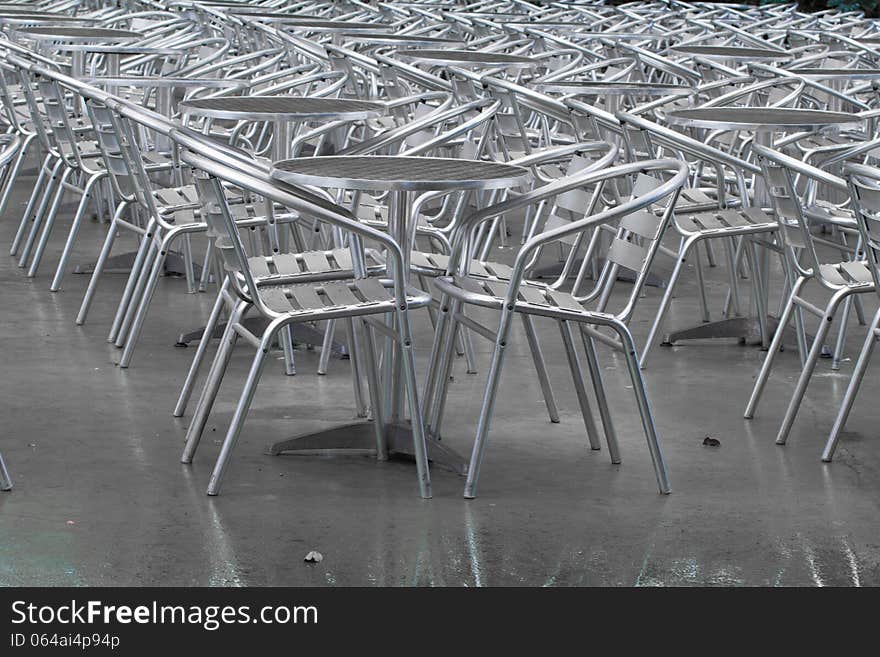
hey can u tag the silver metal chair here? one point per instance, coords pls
(636, 241)
(284, 304)
(841, 279)
(864, 185)
(701, 218)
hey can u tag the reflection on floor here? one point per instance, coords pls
(101, 498)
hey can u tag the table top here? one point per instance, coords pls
(323, 25)
(72, 33)
(607, 87)
(758, 118)
(732, 52)
(272, 16)
(116, 49)
(241, 9)
(402, 39)
(621, 36)
(163, 81)
(268, 108)
(829, 73)
(33, 19)
(467, 58)
(378, 172)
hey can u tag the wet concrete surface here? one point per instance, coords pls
(100, 497)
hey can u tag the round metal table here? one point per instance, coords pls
(283, 108)
(36, 19)
(400, 176)
(467, 58)
(281, 111)
(614, 88)
(378, 39)
(763, 122)
(165, 85)
(113, 52)
(271, 17)
(619, 36)
(65, 36)
(75, 34)
(838, 73)
(732, 53)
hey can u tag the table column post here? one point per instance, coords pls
(400, 229)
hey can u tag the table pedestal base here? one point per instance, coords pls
(553, 272)
(122, 264)
(360, 437)
(747, 329)
(303, 334)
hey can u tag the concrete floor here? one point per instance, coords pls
(101, 499)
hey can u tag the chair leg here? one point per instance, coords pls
(48, 224)
(326, 348)
(701, 285)
(212, 384)
(467, 345)
(772, 352)
(444, 372)
(733, 281)
(149, 289)
(441, 325)
(154, 255)
(577, 375)
(12, 175)
(852, 389)
(41, 188)
(242, 408)
(71, 235)
(807, 372)
(667, 298)
(840, 343)
(38, 216)
(142, 258)
(540, 368)
(410, 384)
(632, 364)
(5, 480)
(493, 379)
(193, 373)
(354, 357)
(375, 390)
(99, 265)
(601, 399)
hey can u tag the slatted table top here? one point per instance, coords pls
(466, 58)
(163, 81)
(831, 73)
(402, 39)
(604, 87)
(265, 108)
(732, 52)
(73, 34)
(758, 118)
(377, 172)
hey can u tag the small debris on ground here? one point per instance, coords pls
(709, 441)
(314, 557)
